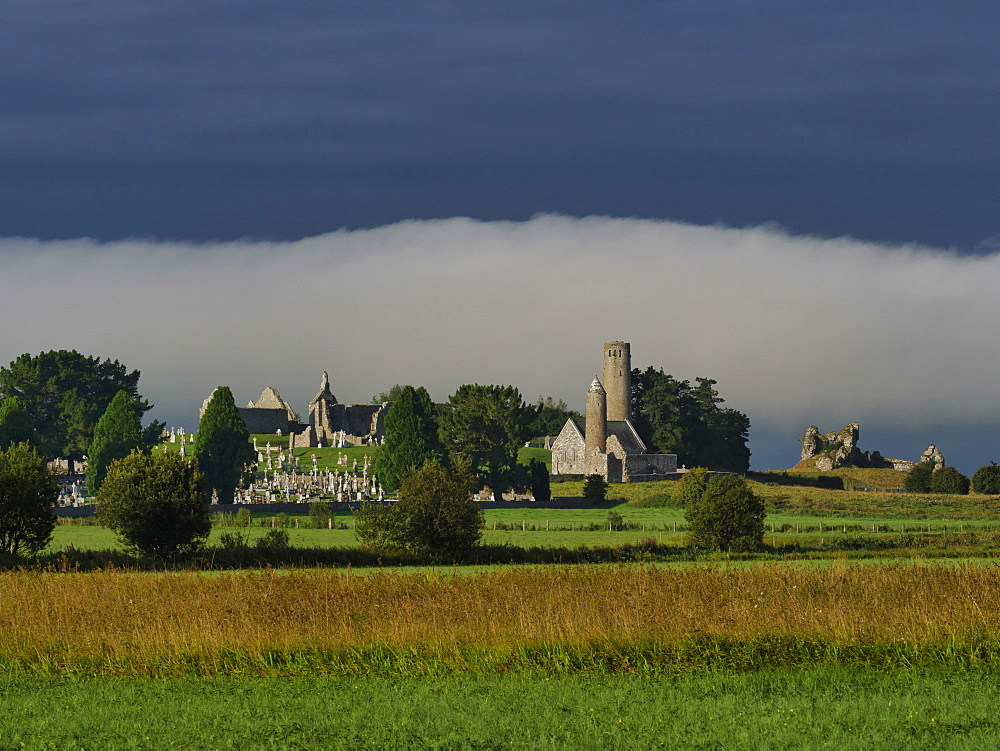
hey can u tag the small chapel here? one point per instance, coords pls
(607, 444)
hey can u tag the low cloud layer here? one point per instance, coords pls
(796, 330)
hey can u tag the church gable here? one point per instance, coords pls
(567, 450)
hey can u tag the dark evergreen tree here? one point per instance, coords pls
(28, 492)
(116, 435)
(15, 424)
(673, 417)
(487, 425)
(539, 478)
(411, 436)
(155, 503)
(986, 479)
(918, 479)
(595, 488)
(223, 447)
(950, 481)
(727, 515)
(65, 394)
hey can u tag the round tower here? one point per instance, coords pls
(618, 380)
(595, 439)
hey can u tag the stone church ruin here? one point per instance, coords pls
(607, 444)
(330, 422)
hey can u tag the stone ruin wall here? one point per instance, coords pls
(840, 449)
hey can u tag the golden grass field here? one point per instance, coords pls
(142, 623)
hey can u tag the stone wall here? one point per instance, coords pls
(264, 420)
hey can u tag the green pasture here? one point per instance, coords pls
(856, 709)
(570, 528)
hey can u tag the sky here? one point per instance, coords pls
(797, 200)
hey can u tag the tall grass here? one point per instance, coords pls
(573, 619)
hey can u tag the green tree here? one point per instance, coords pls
(15, 424)
(986, 479)
(950, 481)
(65, 394)
(918, 479)
(551, 416)
(691, 486)
(222, 446)
(411, 436)
(728, 516)
(487, 425)
(116, 435)
(673, 417)
(28, 492)
(538, 473)
(435, 516)
(388, 396)
(155, 503)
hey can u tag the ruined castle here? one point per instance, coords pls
(607, 444)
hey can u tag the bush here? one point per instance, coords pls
(379, 527)
(275, 539)
(155, 503)
(728, 515)
(243, 517)
(691, 486)
(320, 515)
(918, 479)
(595, 488)
(28, 492)
(615, 521)
(986, 479)
(434, 517)
(949, 480)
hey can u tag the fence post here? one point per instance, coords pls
(524, 525)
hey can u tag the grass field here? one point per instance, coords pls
(757, 710)
(581, 619)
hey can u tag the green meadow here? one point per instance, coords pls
(756, 710)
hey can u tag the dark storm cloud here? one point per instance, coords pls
(222, 120)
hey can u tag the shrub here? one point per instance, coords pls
(379, 527)
(155, 503)
(949, 480)
(243, 517)
(595, 488)
(918, 479)
(728, 515)
(691, 486)
(320, 515)
(986, 479)
(28, 492)
(232, 540)
(435, 515)
(274, 539)
(615, 521)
